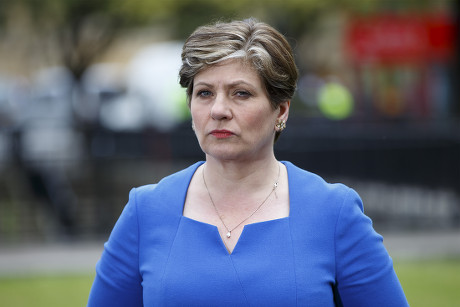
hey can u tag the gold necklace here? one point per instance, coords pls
(229, 231)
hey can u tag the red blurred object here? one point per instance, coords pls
(401, 38)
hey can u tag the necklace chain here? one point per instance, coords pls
(229, 231)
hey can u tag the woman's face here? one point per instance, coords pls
(231, 112)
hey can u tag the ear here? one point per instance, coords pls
(283, 110)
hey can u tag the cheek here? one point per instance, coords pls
(193, 112)
(198, 118)
(261, 119)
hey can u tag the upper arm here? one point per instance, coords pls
(118, 281)
(364, 270)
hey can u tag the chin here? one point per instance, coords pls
(223, 156)
(223, 153)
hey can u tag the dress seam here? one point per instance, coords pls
(335, 232)
(238, 277)
(138, 234)
(294, 261)
(169, 255)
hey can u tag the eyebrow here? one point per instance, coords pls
(233, 84)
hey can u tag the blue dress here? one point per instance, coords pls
(326, 253)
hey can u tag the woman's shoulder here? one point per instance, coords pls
(322, 203)
(309, 190)
(301, 179)
(181, 177)
(169, 189)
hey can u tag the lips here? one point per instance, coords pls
(221, 134)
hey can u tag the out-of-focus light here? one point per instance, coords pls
(335, 101)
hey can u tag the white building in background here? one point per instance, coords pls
(144, 93)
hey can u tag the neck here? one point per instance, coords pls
(237, 177)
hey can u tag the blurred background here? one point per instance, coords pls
(90, 107)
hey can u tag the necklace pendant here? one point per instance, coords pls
(229, 234)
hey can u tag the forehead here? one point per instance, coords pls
(227, 72)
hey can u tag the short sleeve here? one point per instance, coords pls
(118, 281)
(364, 270)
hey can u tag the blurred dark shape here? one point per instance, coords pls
(51, 188)
(47, 144)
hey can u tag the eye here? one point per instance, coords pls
(204, 93)
(243, 94)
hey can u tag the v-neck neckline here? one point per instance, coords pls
(243, 235)
(192, 173)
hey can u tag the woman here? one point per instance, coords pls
(241, 228)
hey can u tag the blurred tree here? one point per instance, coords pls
(77, 32)
(74, 31)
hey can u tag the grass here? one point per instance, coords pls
(430, 282)
(49, 290)
(425, 282)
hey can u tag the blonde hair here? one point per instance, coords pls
(252, 41)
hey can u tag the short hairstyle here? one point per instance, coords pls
(254, 42)
(250, 40)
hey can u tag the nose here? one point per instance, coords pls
(221, 108)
